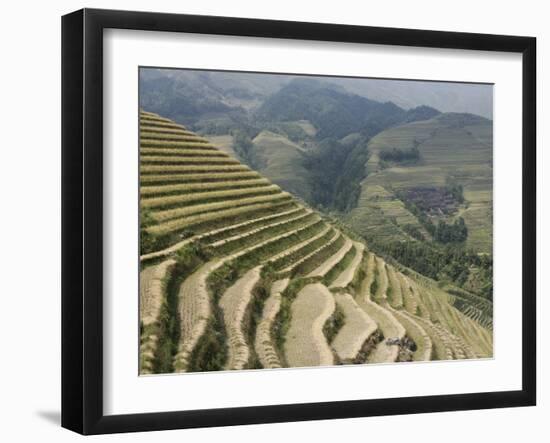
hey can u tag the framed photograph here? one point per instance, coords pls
(270, 221)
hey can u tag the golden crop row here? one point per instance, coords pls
(165, 169)
(158, 123)
(160, 202)
(153, 116)
(202, 144)
(148, 159)
(182, 135)
(170, 214)
(222, 212)
(183, 152)
(165, 130)
(200, 177)
(200, 186)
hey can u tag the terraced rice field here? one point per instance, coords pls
(305, 343)
(448, 148)
(265, 349)
(326, 266)
(356, 330)
(345, 278)
(234, 303)
(238, 274)
(152, 287)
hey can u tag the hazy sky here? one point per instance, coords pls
(444, 96)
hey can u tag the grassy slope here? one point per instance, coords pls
(223, 142)
(308, 128)
(448, 150)
(281, 161)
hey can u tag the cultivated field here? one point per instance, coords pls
(450, 148)
(238, 274)
(282, 161)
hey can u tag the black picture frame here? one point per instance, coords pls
(82, 218)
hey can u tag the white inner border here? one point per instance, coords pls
(125, 392)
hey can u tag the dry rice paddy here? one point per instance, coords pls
(266, 274)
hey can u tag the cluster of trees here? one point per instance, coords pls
(442, 232)
(348, 185)
(326, 164)
(242, 145)
(337, 169)
(413, 231)
(147, 241)
(456, 190)
(449, 263)
(449, 233)
(397, 155)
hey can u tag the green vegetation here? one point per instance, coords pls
(252, 223)
(210, 353)
(157, 238)
(340, 266)
(188, 259)
(334, 112)
(254, 314)
(275, 246)
(337, 169)
(334, 323)
(289, 259)
(267, 233)
(297, 132)
(147, 242)
(348, 185)
(242, 145)
(381, 215)
(360, 275)
(374, 285)
(447, 233)
(397, 155)
(445, 264)
(315, 260)
(456, 190)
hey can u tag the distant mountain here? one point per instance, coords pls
(342, 144)
(332, 170)
(445, 96)
(193, 94)
(406, 164)
(334, 111)
(188, 96)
